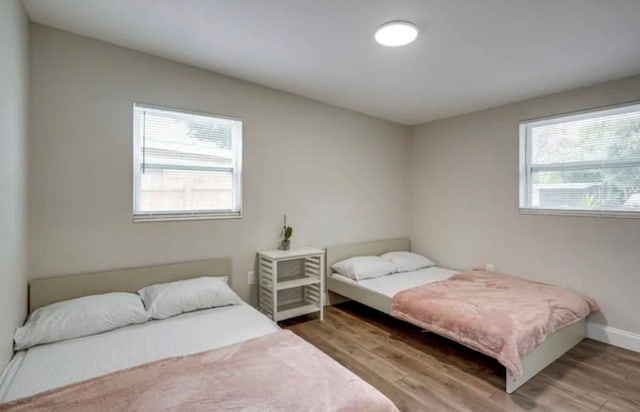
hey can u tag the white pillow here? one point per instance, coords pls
(83, 316)
(364, 267)
(169, 299)
(407, 261)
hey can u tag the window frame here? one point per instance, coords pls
(178, 215)
(526, 169)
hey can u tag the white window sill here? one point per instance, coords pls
(583, 213)
(185, 216)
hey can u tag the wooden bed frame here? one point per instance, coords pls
(551, 349)
(46, 291)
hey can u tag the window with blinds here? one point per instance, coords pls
(186, 165)
(585, 163)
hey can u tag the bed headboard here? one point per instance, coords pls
(337, 253)
(55, 289)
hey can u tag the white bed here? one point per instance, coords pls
(378, 294)
(57, 364)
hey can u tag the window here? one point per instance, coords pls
(585, 163)
(186, 165)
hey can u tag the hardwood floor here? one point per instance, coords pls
(421, 371)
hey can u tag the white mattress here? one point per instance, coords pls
(391, 284)
(57, 364)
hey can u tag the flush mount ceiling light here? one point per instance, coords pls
(396, 33)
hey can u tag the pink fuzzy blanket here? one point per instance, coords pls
(502, 316)
(276, 372)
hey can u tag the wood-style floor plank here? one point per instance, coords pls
(615, 406)
(634, 377)
(424, 372)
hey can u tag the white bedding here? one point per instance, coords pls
(57, 364)
(391, 284)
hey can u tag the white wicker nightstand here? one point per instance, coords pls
(305, 273)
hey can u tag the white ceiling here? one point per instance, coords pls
(471, 54)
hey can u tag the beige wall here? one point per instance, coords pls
(339, 175)
(464, 207)
(14, 40)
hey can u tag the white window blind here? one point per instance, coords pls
(586, 163)
(186, 165)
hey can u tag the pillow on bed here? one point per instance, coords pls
(83, 316)
(407, 261)
(170, 299)
(364, 267)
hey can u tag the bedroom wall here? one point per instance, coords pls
(14, 69)
(339, 175)
(464, 207)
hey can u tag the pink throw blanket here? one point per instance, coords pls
(276, 372)
(502, 316)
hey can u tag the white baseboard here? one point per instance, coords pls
(613, 336)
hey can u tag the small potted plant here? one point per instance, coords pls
(287, 231)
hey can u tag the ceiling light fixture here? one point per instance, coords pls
(396, 33)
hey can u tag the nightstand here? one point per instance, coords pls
(291, 282)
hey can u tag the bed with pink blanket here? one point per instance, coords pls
(225, 358)
(524, 325)
(502, 316)
(275, 372)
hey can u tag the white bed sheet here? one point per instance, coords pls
(391, 284)
(57, 364)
